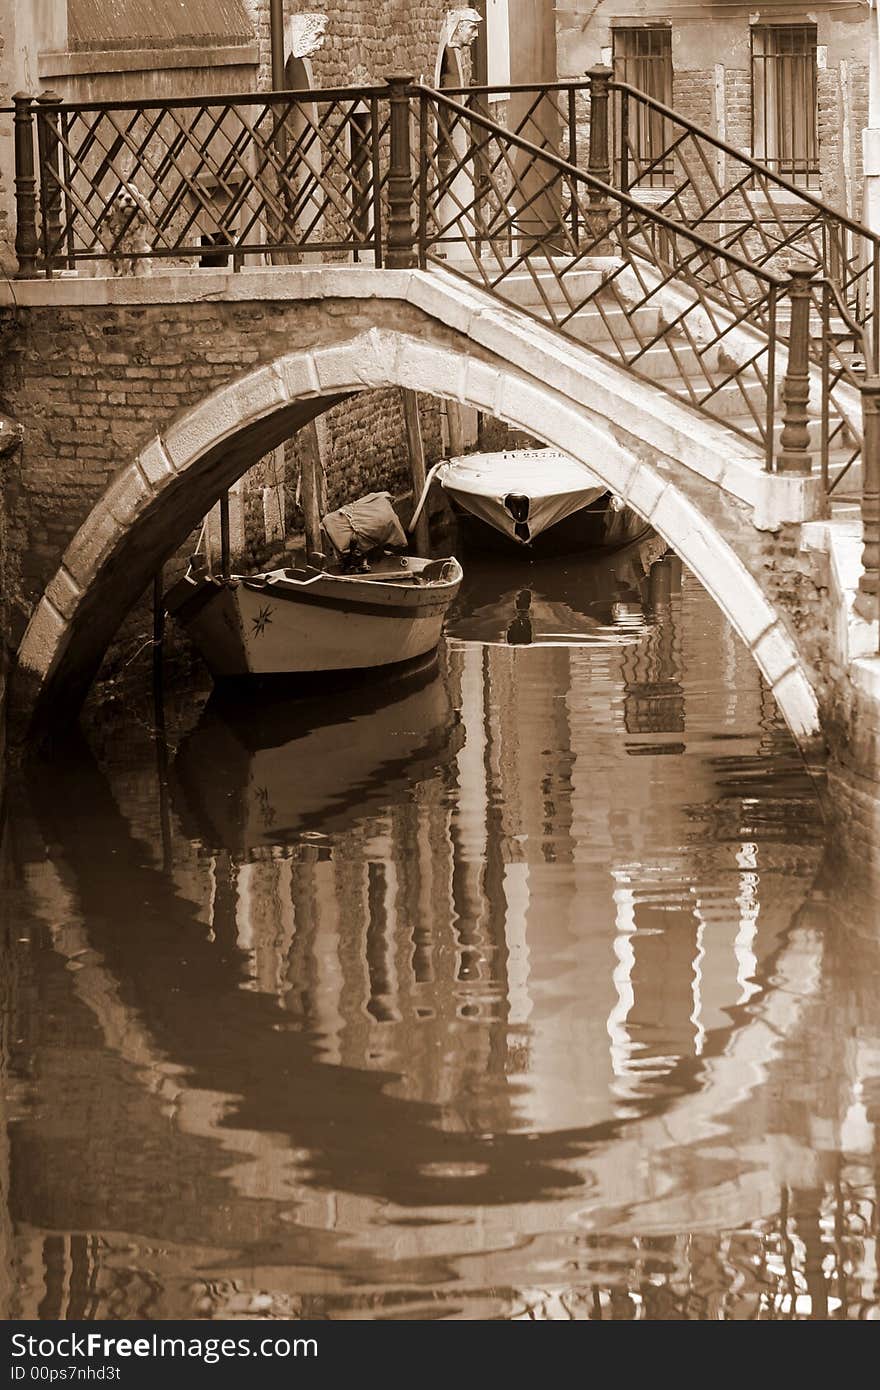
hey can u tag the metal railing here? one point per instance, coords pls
(718, 190)
(715, 288)
(287, 173)
(666, 302)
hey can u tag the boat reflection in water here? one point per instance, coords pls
(564, 601)
(452, 998)
(260, 772)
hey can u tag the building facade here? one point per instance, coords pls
(785, 82)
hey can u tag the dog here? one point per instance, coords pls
(128, 223)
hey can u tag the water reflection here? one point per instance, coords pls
(453, 998)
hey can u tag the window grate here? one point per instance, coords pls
(784, 101)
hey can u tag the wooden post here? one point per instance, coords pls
(867, 603)
(224, 535)
(417, 471)
(25, 188)
(158, 624)
(48, 124)
(794, 456)
(400, 251)
(455, 425)
(310, 492)
(598, 163)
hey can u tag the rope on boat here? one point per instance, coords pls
(424, 497)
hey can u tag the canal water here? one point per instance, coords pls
(522, 988)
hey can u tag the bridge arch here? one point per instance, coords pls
(155, 502)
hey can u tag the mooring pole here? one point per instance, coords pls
(310, 491)
(416, 448)
(158, 623)
(224, 534)
(455, 425)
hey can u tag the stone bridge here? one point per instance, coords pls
(144, 398)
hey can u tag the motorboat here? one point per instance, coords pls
(372, 607)
(540, 500)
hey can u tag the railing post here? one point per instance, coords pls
(399, 253)
(794, 455)
(50, 176)
(598, 159)
(25, 187)
(868, 598)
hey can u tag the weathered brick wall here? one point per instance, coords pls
(693, 96)
(738, 108)
(830, 129)
(94, 384)
(364, 40)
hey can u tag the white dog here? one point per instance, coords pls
(128, 223)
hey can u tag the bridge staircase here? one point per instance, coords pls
(750, 300)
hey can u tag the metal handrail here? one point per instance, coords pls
(617, 195)
(759, 169)
(306, 95)
(699, 260)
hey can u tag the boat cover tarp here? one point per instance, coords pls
(371, 521)
(555, 485)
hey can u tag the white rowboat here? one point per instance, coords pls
(294, 621)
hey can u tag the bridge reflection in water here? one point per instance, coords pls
(514, 989)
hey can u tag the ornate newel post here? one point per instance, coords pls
(48, 134)
(794, 455)
(868, 598)
(399, 252)
(25, 187)
(598, 161)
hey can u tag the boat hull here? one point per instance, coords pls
(278, 624)
(597, 526)
(537, 501)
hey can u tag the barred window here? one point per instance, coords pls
(784, 124)
(642, 57)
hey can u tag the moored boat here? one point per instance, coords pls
(539, 500)
(359, 613)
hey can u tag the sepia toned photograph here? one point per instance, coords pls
(440, 676)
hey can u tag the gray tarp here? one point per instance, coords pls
(371, 521)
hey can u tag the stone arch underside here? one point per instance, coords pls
(156, 501)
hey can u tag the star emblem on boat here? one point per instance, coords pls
(262, 620)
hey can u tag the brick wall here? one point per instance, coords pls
(364, 40)
(738, 108)
(693, 96)
(94, 384)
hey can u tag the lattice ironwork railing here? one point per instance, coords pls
(552, 115)
(280, 173)
(504, 212)
(503, 208)
(710, 187)
(715, 189)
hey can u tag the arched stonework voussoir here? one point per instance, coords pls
(148, 511)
